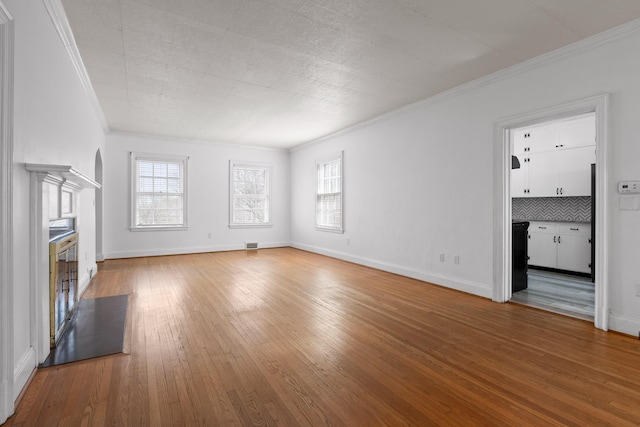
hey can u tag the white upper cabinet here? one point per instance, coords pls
(555, 159)
(578, 132)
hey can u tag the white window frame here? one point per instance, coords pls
(183, 161)
(233, 164)
(320, 163)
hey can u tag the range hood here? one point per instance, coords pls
(515, 163)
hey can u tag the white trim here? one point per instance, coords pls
(195, 141)
(39, 264)
(559, 54)
(158, 228)
(329, 229)
(23, 370)
(7, 377)
(191, 250)
(502, 196)
(66, 175)
(269, 170)
(61, 24)
(425, 276)
(624, 324)
(133, 177)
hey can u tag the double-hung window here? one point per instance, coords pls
(250, 194)
(329, 212)
(159, 192)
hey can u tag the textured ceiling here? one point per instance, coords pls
(278, 73)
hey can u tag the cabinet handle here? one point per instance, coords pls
(557, 190)
(561, 190)
(542, 228)
(574, 229)
(558, 239)
(554, 239)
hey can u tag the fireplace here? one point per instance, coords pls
(63, 283)
(55, 194)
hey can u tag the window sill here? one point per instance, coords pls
(330, 230)
(159, 228)
(250, 225)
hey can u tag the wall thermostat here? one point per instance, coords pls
(629, 187)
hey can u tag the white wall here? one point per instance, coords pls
(54, 124)
(208, 198)
(419, 182)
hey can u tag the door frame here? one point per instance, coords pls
(502, 195)
(7, 38)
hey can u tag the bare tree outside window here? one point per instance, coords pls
(250, 199)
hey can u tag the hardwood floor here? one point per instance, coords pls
(285, 337)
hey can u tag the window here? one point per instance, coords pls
(159, 196)
(329, 195)
(249, 191)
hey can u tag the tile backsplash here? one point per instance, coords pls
(572, 209)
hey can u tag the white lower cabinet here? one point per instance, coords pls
(560, 245)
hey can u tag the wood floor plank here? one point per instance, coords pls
(285, 337)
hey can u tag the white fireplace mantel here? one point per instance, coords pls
(67, 178)
(62, 175)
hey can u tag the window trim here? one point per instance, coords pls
(322, 161)
(134, 157)
(267, 166)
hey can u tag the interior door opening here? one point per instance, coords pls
(553, 215)
(506, 130)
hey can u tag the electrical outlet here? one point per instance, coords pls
(441, 257)
(456, 259)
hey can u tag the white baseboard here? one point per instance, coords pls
(22, 371)
(7, 402)
(192, 250)
(624, 324)
(425, 276)
(99, 257)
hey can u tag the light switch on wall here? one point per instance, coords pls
(629, 203)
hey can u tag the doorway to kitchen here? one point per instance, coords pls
(552, 196)
(506, 131)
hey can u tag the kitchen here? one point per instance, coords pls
(553, 200)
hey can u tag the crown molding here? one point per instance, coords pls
(195, 141)
(61, 24)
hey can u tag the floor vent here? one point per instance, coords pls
(251, 245)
